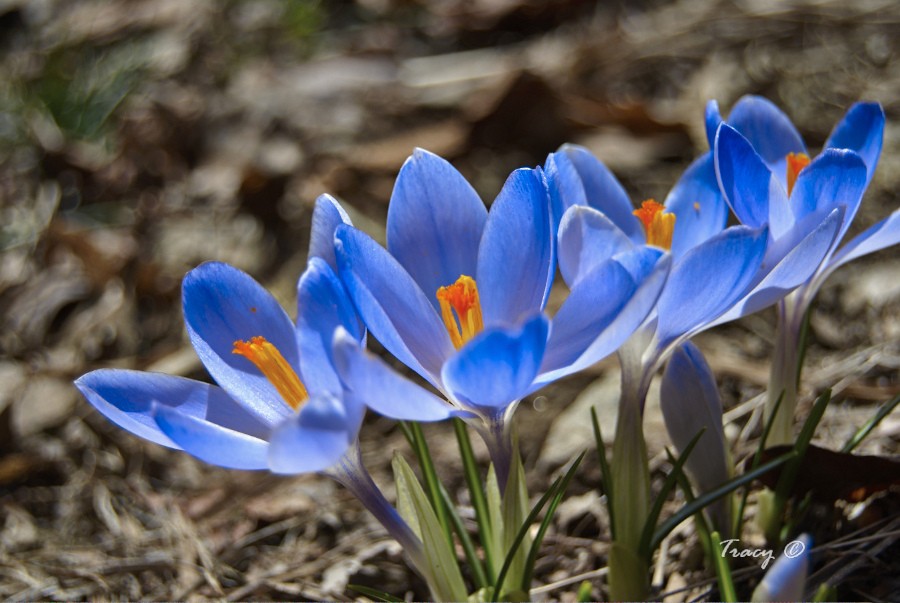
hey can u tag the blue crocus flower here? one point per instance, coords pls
(786, 579)
(459, 293)
(279, 403)
(767, 176)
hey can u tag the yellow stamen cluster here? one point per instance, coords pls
(276, 369)
(795, 164)
(462, 298)
(658, 224)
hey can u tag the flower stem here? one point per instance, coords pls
(784, 376)
(352, 474)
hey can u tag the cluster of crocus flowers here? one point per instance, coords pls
(459, 293)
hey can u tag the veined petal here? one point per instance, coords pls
(834, 178)
(518, 227)
(769, 130)
(699, 207)
(708, 280)
(603, 191)
(712, 119)
(861, 130)
(587, 238)
(600, 314)
(222, 305)
(434, 224)
(327, 216)
(391, 304)
(383, 389)
(211, 443)
(877, 237)
(322, 307)
(790, 271)
(126, 398)
(689, 399)
(564, 184)
(498, 366)
(313, 440)
(749, 187)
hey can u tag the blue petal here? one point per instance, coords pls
(126, 398)
(382, 389)
(603, 191)
(712, 119)
(708, 280)
(587, 238)
(769, 130)
(435, 221)
(314, 440)
(883, 234)
(322, 307)
(517, 227)
(792, 269)
(786, 579)
(834, 178)
(497, 367)
(699, 207)
(327, 216)
(211, 443)
(689, 399)
(748, 185)
(223, 305)
(564, 185)
(391, 304)
(861, 130)
(600, 314)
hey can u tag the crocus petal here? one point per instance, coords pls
(880, 236)
(690, 401)
(322, 307)
(834, 178)
(126, 398)
(708, 280)
(435, 221)
(749, 187)
(603, 191)
(786, 579)
(327, 216)
(391, 304)
(498, 366)
(313, 440)
(587, 238)
(211, 443)
(769, 130)
(518, 226)
(861, 130)
(712, 119)
(699, 207)
(383, 389)
(223, 305)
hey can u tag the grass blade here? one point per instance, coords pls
(374, 593)
(861, 434)
(605, 472)
(476, 493)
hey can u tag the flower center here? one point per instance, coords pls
(462, 297)
(276, 369)
(658, 223)
(795, 164)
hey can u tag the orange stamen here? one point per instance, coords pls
(462, 297)
(658, 223)
(795, 164)
(276, 369)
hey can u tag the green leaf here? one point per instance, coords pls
(702, 501)
(515, 508)
(861, 434)
(477, 495)
(723, 570)
(548, 516)
(495, 513)
(669, 485)
(432, 483)
(605, 472)
(374, 593)
(475, 564)
(627, 574)
(444, 577)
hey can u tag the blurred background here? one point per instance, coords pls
(139, 138)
